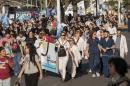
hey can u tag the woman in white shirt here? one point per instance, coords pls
(81, 47)
(63, 59)
(31, 66)
(75, 56)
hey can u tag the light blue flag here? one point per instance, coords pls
(5, 22)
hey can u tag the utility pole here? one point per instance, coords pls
(27, 3)
(74, 3)
(58, 11)
(31, 3)
(46, 4)
(96, 8)
(119, 13)
(36, 3)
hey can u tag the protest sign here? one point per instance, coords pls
(50, 61)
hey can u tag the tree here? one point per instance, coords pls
(87, 3)
(74, 3)
(126, 4)
(113, 4)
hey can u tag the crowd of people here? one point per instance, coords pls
(96, 39)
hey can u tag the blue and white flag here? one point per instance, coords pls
(5, 22)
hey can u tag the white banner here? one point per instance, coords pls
(50, 62)
(80, 11)
(69, 10)
(81, 8)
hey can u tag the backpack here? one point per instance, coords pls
(61, 50)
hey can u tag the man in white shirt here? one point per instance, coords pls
(112, 30)
(121, 45)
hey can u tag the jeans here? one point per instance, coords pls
(105, 60)
(94, 62)
(16, 60)
(5, 82)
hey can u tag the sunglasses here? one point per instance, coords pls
(62, 35)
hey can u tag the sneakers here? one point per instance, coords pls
(98, 74)
(90, 71)
(93, 75)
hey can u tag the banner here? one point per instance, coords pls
(5, 21)
(21, 15)
(50, 61)
(69, 10)
(80, 11)
(81, 8)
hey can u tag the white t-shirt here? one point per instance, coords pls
(21, 39)
(112, 30)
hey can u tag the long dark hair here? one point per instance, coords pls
(32, 52)
(91, 34)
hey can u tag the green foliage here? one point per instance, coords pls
(87, 2)
(113, 4)
(126, 4)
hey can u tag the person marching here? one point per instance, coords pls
(81, 46)
(94, 54)
(5, 65)
(31, 66)
(75, 56)
(106, 46)
(121, 49)
(63, 45)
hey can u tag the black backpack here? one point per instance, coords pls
(61, 50)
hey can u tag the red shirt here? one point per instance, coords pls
(54, 24)
(5, 68)
(48, 39)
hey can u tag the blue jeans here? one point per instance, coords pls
(105, 60)
(16, 60)
(94, 62)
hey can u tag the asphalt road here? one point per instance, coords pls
(83, 80)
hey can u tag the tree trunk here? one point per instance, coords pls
(74, 3)
(62, 12)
